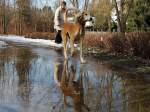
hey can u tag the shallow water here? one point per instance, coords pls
(37, 79)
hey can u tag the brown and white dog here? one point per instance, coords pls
(75, 32)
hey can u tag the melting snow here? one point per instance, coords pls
(29, 41)
(23, 40)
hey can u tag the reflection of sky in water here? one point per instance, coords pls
(27, 83)
(3, 45)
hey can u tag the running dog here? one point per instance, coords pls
(75, 32)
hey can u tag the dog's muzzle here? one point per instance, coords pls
(89, 18)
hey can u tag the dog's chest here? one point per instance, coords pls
(79, 33)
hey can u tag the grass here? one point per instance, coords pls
(41, 35)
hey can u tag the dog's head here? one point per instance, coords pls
(82, 17)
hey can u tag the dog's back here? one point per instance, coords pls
(71, 29)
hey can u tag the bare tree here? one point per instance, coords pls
(75, 3)
(122, 10)
(3, 7)
(15, 17)
(1, 16)
(101, 9)
(24, 14)
(86, 4)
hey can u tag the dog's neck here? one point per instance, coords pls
(81, 22)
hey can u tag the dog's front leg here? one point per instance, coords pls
(81, 50)
(72, 45)
(65, 46)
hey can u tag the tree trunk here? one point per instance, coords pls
(122, 13)
(118, 16)
(0, 16)
(15, 17)
(75, 3)
(86, 3)
(4, 17)
(109, 23)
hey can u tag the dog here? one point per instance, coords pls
(74, 32)
(64, 76)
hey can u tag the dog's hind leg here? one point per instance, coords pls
(81, 51)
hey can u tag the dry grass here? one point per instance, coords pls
(41, 35)
(134, 43)
(139, 43)
(93, 39)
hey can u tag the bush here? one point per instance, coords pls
(139, 43)
(134, 43)
(41, 35)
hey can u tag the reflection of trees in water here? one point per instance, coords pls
(4, 58)
(7, 68)
(104, 90)
(121, 93)
(23, 66)
(14, 62)
(100, 94)
(135, 93)
(2, 65)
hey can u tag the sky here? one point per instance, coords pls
(39, 3)
(42, 3)
(51, 3)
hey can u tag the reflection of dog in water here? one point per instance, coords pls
(64, 76)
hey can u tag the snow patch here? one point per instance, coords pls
(23, 40)
(29, 41)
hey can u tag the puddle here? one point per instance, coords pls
(34, 79)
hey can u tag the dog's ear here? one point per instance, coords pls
(77, 14)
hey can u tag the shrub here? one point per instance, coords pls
(139, 43)
(133, 43)
(41, 35)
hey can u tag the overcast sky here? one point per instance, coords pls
(42, 3)
(38, 3)
(51, 3)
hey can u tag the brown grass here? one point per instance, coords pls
(139, 43)
(133, 43)
(41, 35)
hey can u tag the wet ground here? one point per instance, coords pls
(37, 79)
